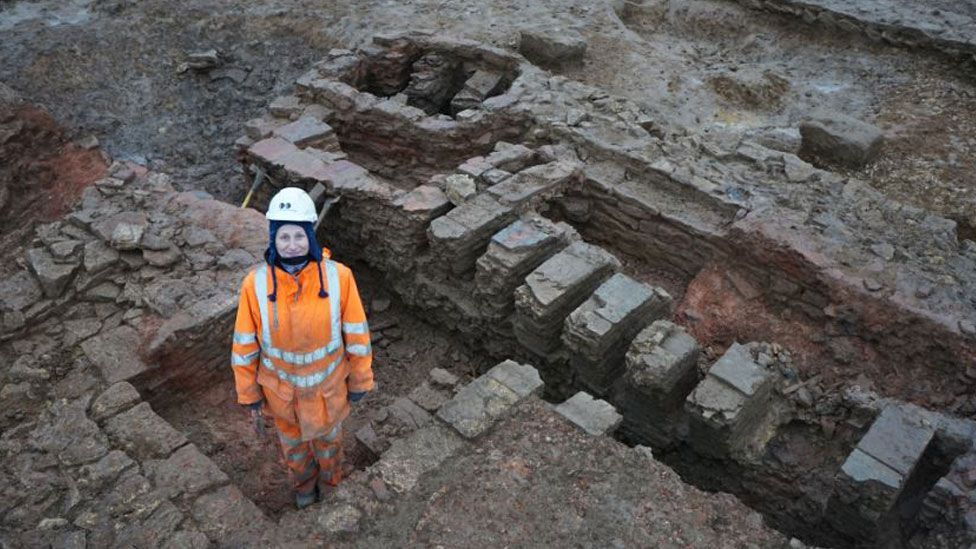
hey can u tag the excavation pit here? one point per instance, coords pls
(405, 350)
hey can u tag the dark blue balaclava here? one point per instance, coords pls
(314, 253)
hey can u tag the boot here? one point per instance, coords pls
(304, 500)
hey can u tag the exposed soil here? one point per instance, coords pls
(42, 174)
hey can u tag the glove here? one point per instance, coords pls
(355, 397)
(255, 410)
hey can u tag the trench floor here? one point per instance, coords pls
(403, 356)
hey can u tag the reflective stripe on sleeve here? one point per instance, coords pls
(359, 350)
(335, 300)
(243, 338)
(242, 360)
(355, 327)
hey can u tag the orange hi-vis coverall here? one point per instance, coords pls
(302, 355)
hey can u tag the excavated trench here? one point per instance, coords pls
(397, 132)
(203, 406)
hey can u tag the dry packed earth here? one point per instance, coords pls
(649, 273)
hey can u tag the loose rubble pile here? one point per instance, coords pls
(464, 241)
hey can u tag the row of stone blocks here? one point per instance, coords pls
(565, 298)
(473, 410)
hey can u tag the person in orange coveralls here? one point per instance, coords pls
(301, 350)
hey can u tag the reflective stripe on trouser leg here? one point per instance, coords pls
(328, 453)
(299, 457)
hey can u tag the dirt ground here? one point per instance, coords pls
(114, 69)
(403, 357)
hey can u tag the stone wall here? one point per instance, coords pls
(465, 244)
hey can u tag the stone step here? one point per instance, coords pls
(511, 255)
(554, 289)
(877, 471)
(598, 331)
(661, 369)
(731, 412)
(479, 404)
(596, 417)
(459, 237)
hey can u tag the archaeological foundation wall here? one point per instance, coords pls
(530, 227)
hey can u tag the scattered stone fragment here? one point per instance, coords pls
(380, 304)
(104, 471)
(52, 523)
(967, 327)
(872, 284)
(459, 188)
(99, 257)
(70, 434)
(203, 60)
(106, 291)
(596, 417)
(88, 143)
(427, 397)
(443, 378)
(839, 139)
(22, 370)
(481, 403)
(53, 276)
(115, 399)
(884, 250)
(552, 47)
(284, 106)
(227, 515)
(65, 249)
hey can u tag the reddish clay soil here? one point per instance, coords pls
(42, 174)
(717, 315)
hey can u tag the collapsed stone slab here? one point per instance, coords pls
(479, 404)
(308, 132)
(424, 450)
(597, 332)
(596, 417)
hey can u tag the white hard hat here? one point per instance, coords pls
(292, 204)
